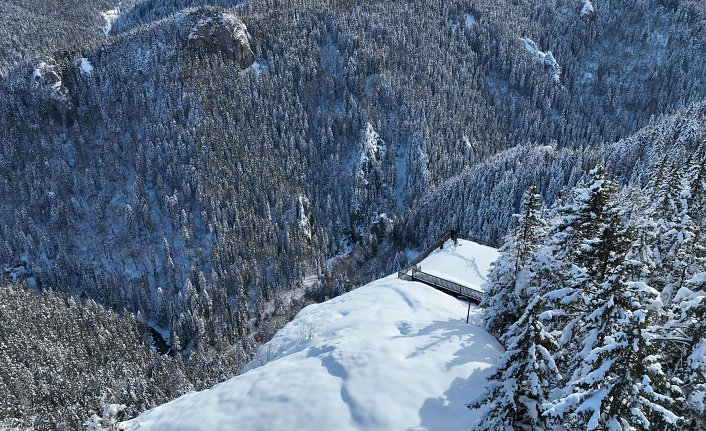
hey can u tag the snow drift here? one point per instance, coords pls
(390, 355)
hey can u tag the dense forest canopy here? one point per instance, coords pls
(601, 307)
(210, 166)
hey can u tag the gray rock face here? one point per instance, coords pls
(224, 33)
(49, 84)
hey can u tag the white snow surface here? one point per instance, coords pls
(391, 355)
(470, 21)
(259, 67)
(109, 16)
(587, 8)
(86, 67)
(467, 263)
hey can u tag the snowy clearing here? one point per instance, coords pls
(391, 355)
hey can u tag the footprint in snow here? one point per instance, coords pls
(404, 327)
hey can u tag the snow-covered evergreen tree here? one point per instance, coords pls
(637, 210)
(618, 383)
(689, 310)
(523, 377)
(674, 230)
(696, 202)
(629, 362)
(584, 242)
(600, 311)
(506, 296)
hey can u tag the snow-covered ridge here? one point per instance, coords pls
(390, 355)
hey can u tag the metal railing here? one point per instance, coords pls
(412, 272)
(416, 274)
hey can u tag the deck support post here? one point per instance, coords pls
(468, 315)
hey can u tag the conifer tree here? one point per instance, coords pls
(506, 296)
(522, 379)
(639, 214)
(621, 384)
(689, 311)
(588, 275)
(584, 242)
(696, 202)
(618, 382)
(674, 230)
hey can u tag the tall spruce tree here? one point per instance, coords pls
(617, 382)
(696, 202)
(620, 384)
(674, 230)
(584, 242)
(689, 311)
(506, 295)
(522, 379)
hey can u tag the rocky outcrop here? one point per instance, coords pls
(224, 33)
(373, 181)
(48, 82)
(546, 58)
(588, 11)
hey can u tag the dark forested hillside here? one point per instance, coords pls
(482, 200)
(32, 28)
(65, 359)
(211, 164)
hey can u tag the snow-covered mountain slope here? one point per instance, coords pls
(391, 355)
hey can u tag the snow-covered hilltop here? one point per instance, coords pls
(390, 355)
